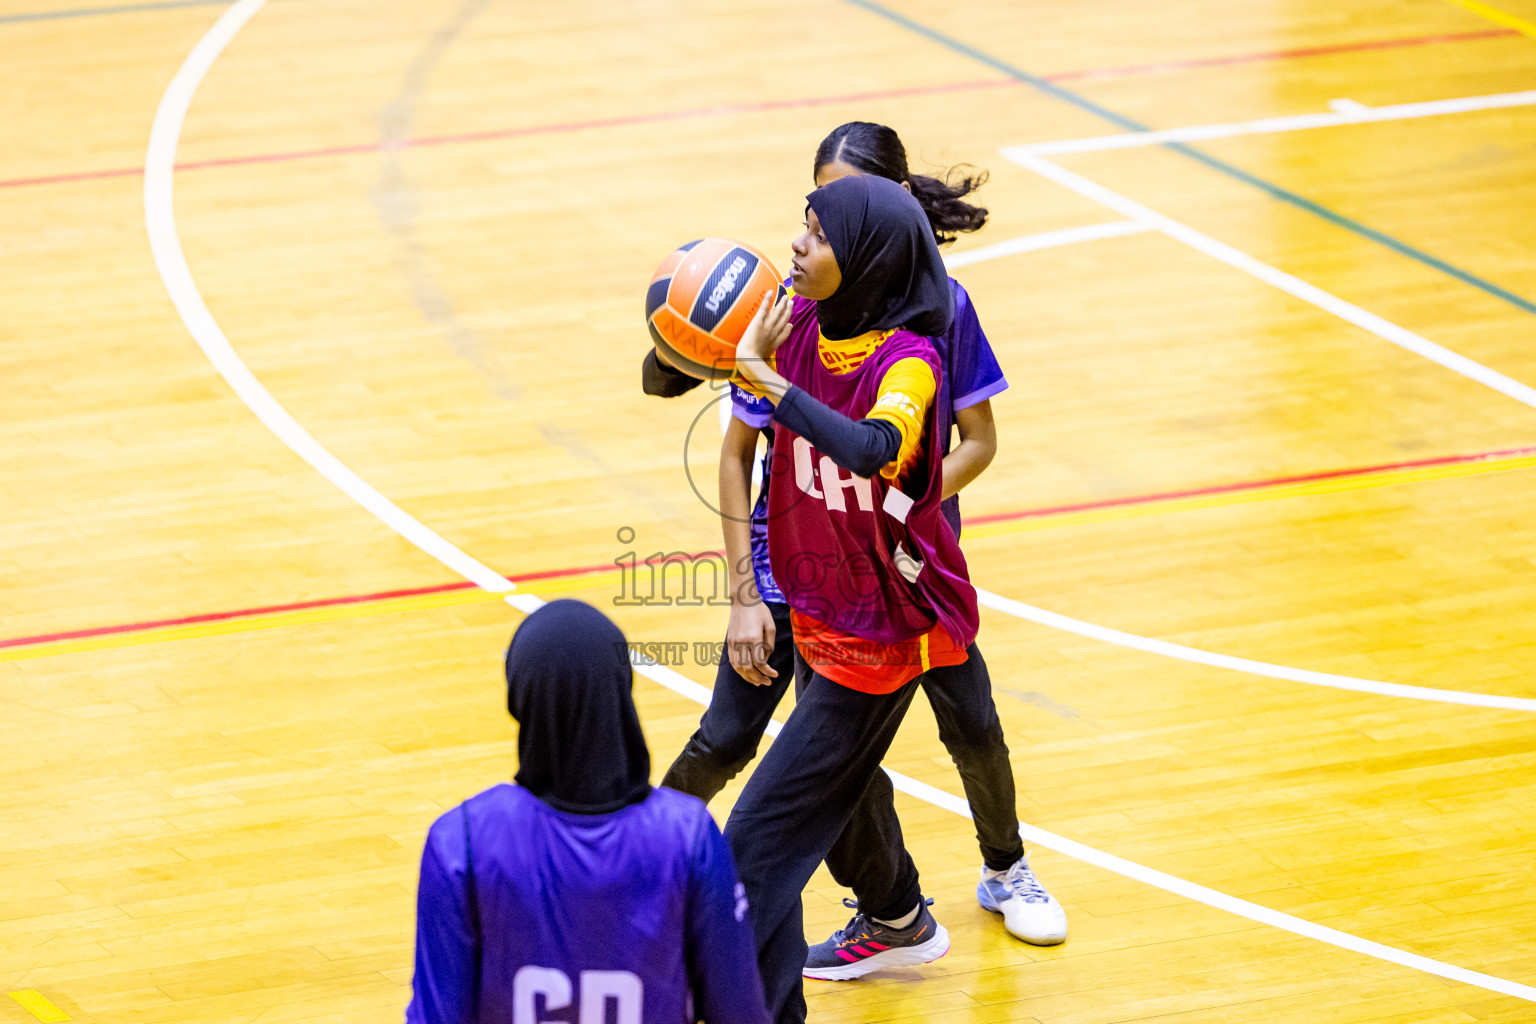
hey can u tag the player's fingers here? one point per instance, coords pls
(757, 333)
(779, 315)
(747, 669)
(760, 653)
(775, 328)
(764, 308)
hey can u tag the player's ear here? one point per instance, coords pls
(907, 185)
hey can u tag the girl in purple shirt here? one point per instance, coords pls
(581, 887)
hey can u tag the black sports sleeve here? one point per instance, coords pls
(663, 381)
(862, 447)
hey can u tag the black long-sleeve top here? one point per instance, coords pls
(862, 447)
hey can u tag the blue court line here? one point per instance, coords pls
(91, 12)
(1232, 171)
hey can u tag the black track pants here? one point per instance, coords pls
(797, 803)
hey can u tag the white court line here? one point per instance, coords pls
(1346, 104)
(1031, 243)
(1019, 609)
(160, 216)
(1327, 301)
(1008, 606)
(982, 254)
(1047, 240)
(1344, 113)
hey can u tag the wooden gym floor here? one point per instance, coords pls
(1271, 400)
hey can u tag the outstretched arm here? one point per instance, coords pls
(659, 378)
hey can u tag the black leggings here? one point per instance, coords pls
(732, 725)
(961, 697)
(824, 764)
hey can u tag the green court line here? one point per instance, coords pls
(91, 12)
(1130, 124)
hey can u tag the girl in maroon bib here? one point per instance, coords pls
(869, 564)
(859, 547)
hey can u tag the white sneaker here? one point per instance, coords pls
(1029, 912)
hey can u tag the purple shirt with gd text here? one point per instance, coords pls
(571, 916)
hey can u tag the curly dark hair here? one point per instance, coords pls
(876, 149)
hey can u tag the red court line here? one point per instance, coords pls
(530, 577)
(1252, 485)
(58, 179)
(1276, 55)
(513, 133)
(1124, 71)
(270, 609)
(273, 609)
(325, 602)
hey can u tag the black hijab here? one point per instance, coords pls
(579, 743)
(893, 275)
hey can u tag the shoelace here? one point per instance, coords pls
(1022, 883)
(854, 904)
(854, 928)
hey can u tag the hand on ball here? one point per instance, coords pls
(767, 331)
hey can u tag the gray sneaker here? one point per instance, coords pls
(865, 945)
